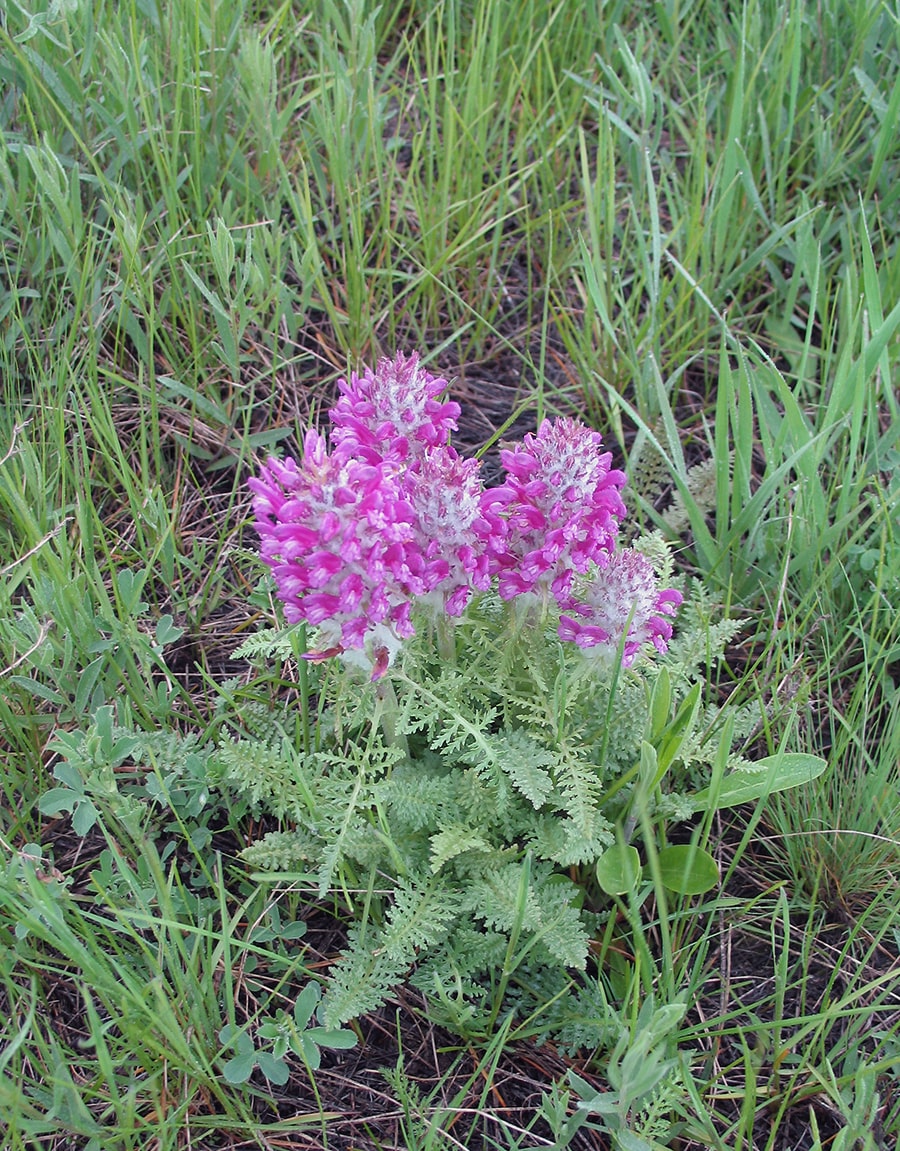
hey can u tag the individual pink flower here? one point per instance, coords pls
(624, 593)
(557, 512)
(393, 413)
(444, 490)
(341, 541)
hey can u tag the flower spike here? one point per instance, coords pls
(624, 594)
(393, 413)
(339, 537)
(558, 511)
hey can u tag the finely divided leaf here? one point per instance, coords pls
(376, 961)
(453, 841)
(526, 764)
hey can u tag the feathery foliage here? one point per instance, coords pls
(477, 786)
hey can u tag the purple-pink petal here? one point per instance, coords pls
(623, 594)
(340, 540)
(392, 413)
(558, 510)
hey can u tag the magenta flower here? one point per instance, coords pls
(557, 512)
(341, 540)
(444, 490)
(393, 413)
(393, 516)
(625, 587)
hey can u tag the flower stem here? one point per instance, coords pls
(387, 712)
(446, 639)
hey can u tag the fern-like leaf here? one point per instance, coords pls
(269, 643)
(420, 795)
(564, 841)
(275, 776)
(282, 851)
(454, 841)
(581, 791)
(376, 961)
(526, 763)
(544, 910)
(702, 484)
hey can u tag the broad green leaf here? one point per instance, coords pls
(86, 683)
(41, 690)
(84, 817)
(57, 800)
(600, 1104)
(619, 869)
(766, 776)
(307, 1002)
(70, 776)
(629, 1141)
(308, 1051)
(234, 1036)
(660, 704)
(342, 1039)
(649, 773)
(687, 869)
(240, 1068)
(267, 439)
(104, 720)
(275, 1070)
(167, 630)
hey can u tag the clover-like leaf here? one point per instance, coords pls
(239, 1068)
(274, 1069)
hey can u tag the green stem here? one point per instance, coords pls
(387, 712)
(446, 639)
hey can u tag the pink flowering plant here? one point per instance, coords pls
(393, 519)
(493, 704)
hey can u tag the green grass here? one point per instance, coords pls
(679, 221)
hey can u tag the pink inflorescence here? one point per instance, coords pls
(558, 511)
(341, 541)
(393, 516)
(393, 413)
(445, 492)
(622, 595)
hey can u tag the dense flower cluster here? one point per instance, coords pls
(558, 511)
(392, 516)
(392, 413)
(341, 541)
(623, 595)
(446, 495)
